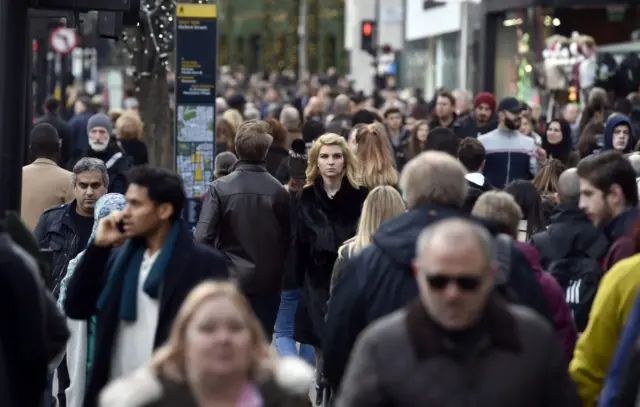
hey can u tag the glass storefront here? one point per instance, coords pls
(432, 63)
(448, 55)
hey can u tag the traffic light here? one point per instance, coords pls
(368, 32)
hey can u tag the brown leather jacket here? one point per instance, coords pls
(246, 216)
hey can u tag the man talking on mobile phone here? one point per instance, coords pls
(136, 289)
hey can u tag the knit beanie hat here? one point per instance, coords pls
(298, 160)
(100, 120)
(485, 97)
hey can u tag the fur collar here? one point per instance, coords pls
(429, 340)
(347, 198)
(291, 375)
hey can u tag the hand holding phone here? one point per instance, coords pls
(110, 230)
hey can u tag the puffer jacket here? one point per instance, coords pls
(561, 312)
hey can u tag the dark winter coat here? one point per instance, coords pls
(33, 331)
(246, 215)
(323, 224)
(137, 150)
(56, 231)
(570, 234)
(406, 359)
(380, 280)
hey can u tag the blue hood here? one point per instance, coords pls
(612, 123)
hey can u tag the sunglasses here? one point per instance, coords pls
(464, 283)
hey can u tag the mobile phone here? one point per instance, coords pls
(120, 226)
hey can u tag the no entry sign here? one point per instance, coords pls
(63, 40)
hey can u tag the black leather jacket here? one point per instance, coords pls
(246, 215)
(55, 230)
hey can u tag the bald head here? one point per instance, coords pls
(342, 105)
(455, 232)
(569, 186)
(634, 159)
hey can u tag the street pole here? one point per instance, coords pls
(14, 29)
(303, 39)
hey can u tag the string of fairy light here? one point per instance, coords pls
(153, 37)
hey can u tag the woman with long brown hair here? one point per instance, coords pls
(591, 138)
(277, 151)
(225, 137)
(417, 141)
(546, 182)
(217, 354)
(375, 162)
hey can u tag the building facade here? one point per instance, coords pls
(390, 31)
(440, 45)
(264, 34)
(514, 32)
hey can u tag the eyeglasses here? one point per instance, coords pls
(465, 283)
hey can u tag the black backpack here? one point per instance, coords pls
(578, 275)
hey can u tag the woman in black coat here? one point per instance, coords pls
(327, 214)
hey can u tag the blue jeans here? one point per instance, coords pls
(285, 345)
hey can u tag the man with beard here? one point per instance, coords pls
(510, 154)
(103, 145)
(481, 120)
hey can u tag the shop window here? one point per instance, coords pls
(448, 55)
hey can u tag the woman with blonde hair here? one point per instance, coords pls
(376, 165)
(129, 129)
(216, 354)
(326, 215)
(383, 203)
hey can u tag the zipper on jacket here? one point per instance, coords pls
(508, 168)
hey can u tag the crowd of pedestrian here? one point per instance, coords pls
(452, 252)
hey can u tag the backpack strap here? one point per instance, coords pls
(542, 241)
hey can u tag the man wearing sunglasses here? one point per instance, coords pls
(458, 342)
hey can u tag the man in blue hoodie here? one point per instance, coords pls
(618, 134)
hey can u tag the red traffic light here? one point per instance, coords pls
(367, 28)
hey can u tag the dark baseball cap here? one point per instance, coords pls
(510, 104)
